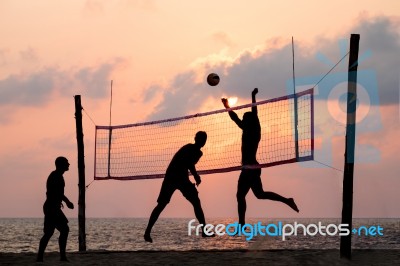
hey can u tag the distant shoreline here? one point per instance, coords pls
(212, 257)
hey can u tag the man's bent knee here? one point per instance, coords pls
(161, 205)
(64, 229)
(259, 194)
(49, 230)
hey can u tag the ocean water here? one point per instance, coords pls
(126, 234)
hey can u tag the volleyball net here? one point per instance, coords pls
(144, 150)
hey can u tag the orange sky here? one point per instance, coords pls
(157, 53)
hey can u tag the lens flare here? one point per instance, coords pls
(232, 101)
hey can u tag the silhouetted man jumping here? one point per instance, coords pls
(177, 177)
(250, 177)
(54, 218)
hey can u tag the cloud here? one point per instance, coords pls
(3, 56)
(96, 81)
(182, 93)
(269, 68)
(36, 89)
(147, 5)
(29, 55)
(381, 36)
(93, 8)
(5, 118)
(222, 37)
(30, 90)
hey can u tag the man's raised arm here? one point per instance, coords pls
(253, 100)
(232, 114)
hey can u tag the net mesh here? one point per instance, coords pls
(144, 150)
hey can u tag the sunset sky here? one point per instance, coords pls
(158, 54)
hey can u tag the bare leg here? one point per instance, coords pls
(198, 211)
(241, 209)
(242, 190)
(260, 194)
(153, 219)
(43, 244)
(62, 242)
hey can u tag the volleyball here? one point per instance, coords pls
(213, 79)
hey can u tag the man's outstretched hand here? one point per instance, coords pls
(198, 181)
(225, 102)
(70, 205)
(254, 92)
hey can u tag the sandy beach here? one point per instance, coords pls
(234, 257)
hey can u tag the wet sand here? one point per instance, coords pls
(215, 257)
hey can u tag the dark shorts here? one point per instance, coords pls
(187, 188)
(249, 178)
(54, 218)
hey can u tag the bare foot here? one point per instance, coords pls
(292, 204)
(147, 238)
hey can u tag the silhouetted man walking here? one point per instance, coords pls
(250, 177)
(54, 218)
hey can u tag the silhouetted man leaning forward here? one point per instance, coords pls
(177, 177)
(54, 218)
